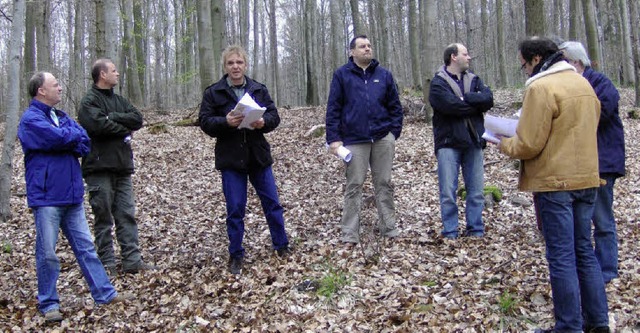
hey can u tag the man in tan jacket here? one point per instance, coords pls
(556, 141)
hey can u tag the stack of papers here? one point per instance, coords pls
(497, 127)
(250, 109)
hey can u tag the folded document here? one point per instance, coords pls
(496, 127)
(250, 109)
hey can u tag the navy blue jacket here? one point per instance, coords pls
(610, 131)
(363, 105)
(452, 115)
(241, 150)
(52, 170)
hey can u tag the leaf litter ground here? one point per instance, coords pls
(415, 283)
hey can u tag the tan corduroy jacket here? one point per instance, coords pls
(556, 133)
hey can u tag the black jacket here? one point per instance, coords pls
(459, 122)
(108, 118)
(241, 150)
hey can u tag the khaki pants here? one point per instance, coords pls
(379, 157)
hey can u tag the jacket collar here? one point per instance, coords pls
(560, 66)
(107, 92)
(40, 106)
(354, 67)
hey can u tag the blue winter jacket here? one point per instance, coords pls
(610, 130)
(52, 169)
(459, 122)
(363, 105)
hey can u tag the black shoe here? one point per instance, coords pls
(53, 316)
(284, 252)
(540, 330)
(112, 271)
(601, 329)
(235, 265)
(140, 266)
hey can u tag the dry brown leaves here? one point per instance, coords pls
(415, 283)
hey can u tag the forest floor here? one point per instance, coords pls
(415, 283)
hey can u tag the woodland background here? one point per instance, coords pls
(168, 51)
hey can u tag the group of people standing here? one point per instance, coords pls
(569, 140)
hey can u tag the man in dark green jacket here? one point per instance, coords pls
(110, 121)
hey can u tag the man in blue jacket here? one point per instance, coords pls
(610, 158)
(364, 115)
(459, 100)
(52, 143)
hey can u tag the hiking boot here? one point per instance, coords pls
(112, 271)
(284, 252)
(235, 265)
(140, 266)
(122, 297)
(53, 316)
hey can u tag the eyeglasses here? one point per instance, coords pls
(522, 67)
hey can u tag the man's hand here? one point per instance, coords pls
(234, 120)
(333, 147)
(258, 124)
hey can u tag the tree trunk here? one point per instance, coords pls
(383, 30)
(358, 27)
(140, 35)
(218, 33)
(627, 57)
(101, 41)
(131, 66)
(76, 69)
(43, 37)
(205, 44)
(593, 45)
(574, 19)
(430, 53)
(633, 11)
(413, 44)
(243, 9)
(309, 36)
(30, 40)
(534, 18)
(337, 48)
(273, 51)
(111, 34)
(500, 37)
(13, 104)
(468, 28)
(256, 41)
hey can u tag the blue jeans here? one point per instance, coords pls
(72, 221)
(234, 187)
(112, 201)
(576, 280)
(604, 233)
(449, 162)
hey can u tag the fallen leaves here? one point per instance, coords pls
(417, 282)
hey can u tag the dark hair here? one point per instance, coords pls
(99, 66)
(452, 49)
(352, 44)
(536, 46)
(36, 81)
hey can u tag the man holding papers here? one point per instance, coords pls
(242, 153)
(556, 141)
(459, 100)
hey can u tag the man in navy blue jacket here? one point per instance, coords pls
(610, 158)
(52, 143)
(365, 116)
(459, 100)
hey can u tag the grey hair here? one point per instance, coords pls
(575, 51)
(36, 81)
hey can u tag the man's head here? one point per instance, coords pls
(360, 50)
(44, 87)
(234, 63)
(104, 74)
(534, 50)
(456, 58)
(575, 53)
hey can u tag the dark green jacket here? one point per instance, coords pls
(109, 119)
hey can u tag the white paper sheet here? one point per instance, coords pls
(496, 127)
(250, 109)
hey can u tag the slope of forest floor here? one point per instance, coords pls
(415, 283)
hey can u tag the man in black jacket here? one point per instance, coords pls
(243, 153)
(110, 121)
(459, 100)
